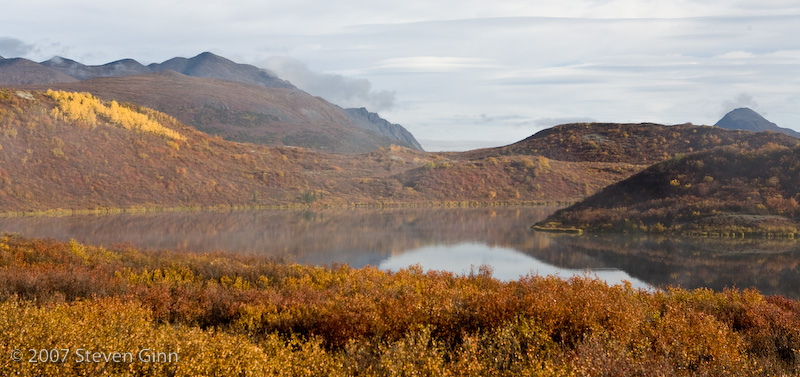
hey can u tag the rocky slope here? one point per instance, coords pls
(373, 122)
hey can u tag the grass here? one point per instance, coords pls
(222, 314)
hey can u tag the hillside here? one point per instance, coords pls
(53, 161)
(747, 119)
(76, 151)
(724, 191)
(239, 112)
(644, 143)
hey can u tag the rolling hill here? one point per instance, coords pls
(725, 190)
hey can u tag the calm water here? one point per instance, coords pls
(457, 240)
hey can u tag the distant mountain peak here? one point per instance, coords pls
(747, 119)
(59, 61)
(210, 55)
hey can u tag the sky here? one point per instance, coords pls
(461, 74)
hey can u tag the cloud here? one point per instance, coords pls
(439, 64)
(12, 47)
(742, 100)
(341, 90)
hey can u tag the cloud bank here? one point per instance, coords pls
(12, 47)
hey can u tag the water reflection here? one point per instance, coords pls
(450, 239)
(507, 264)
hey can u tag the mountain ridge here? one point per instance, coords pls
(19, 71)
(205, 64)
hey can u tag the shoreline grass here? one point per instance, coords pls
(295, 206)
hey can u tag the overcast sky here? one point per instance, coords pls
(461, 74)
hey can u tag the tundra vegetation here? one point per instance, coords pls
(227, 314)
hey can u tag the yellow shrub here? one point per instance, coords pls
(85, 108)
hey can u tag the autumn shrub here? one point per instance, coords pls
(114, 325)
(88, 110)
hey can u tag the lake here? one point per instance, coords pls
(457, 239)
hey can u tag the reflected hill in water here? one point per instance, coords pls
(371, 237)
(356, 237)
(770, 265)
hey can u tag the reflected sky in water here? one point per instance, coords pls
(507, 264)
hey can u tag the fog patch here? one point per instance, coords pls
(341, 90)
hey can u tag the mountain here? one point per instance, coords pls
(203, 65)
(727, 190)
(747, 119)
(18, 71)
(238, 118)
(644, 143)
(212, 66)
(373, 122)
(238, 111)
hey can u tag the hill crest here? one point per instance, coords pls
(642, 143)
